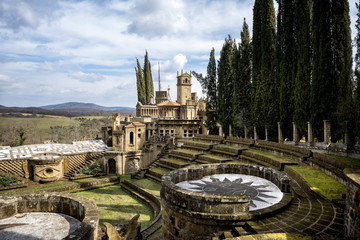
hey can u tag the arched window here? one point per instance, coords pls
(131, 138)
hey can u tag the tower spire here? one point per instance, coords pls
(159, 76)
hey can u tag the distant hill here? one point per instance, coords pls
(79, 105)
(68, 109)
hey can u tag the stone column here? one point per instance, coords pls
(230, 133)
(245, 132)
(256, 137)
(327, 132)
(220, 129)
(346, 136)
(266, 134)
(310, 139)
(280, 134)
(295, 133)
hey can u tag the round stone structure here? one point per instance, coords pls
(76, 207)
(189, 214)
(46, 167)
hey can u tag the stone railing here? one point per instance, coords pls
(78, 207)
(288, 150)
(352, 210)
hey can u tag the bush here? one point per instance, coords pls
(6, 181)
(94, 169)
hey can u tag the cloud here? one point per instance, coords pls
(16, 14)
(87, 77)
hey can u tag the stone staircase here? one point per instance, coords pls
(13, 167)
(77, 162)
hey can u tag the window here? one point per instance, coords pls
(190, 133)
(131, 137)
(185, 133)
(139, 135)
(161, 132)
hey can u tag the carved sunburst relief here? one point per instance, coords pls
(263, 193)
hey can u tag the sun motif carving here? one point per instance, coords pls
(235, 187)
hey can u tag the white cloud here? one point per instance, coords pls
(87, 77)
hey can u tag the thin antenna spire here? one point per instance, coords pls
(159, 76)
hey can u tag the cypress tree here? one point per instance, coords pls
(242, 86)
(208, 84)
(357, 71)
(225, 85)
(286, 58)
(269, 86)
(140, 83)
(256, 104)
(342, 65)
(149, 85)
(303, 58)
(323, 95)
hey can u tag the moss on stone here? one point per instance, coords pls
(319, 181)
(149, 185)
(178, 162)
(159, 170)
(272, 156)
(353, 162)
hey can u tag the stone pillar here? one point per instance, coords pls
(245, 132)
(327, 132)
(220, 130)
(352, 209)
(280, 134)
(266, 134)
(256, 137)
(310, 135)
(230, 133)
(346, 136)
(295, 133)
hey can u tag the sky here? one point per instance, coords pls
(56, 51)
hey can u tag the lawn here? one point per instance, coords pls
(319, 181)
(353, 162)
(273, 156)
(152, 186)
(117, 206)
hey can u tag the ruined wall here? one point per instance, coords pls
(352, 210)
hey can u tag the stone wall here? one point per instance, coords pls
(78, 207)
(192, 215)
(352, 211)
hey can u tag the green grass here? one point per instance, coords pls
(229, 146)
(216, 157)
(178, 162)
(273, 156)
(115, 205)
(152, 186)
(186, 151)
(202, 143)
(159, 170)
(353, 162)
(319, 181)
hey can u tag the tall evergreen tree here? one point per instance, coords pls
(140, 83)
(342, 65)
(323, 88)
(257, 112)
(242, 86)
(303, 61)
(225, 85)
(357, 71)
(209, 86)
(149, 85)
(286, 59)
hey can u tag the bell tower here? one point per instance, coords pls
(183, 88)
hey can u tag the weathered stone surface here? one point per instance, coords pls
(352, 211)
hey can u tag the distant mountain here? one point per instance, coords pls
(79, 105)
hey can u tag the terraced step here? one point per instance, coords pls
(209, 138)
(156, 173)
(227, 150)
(173, 163)
(210, 158)
(273, 160)
(290, 151)
(184, 154)
(197, 145)
(238, 141)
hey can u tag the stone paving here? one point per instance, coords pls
(28, 151)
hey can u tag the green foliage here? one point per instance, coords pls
(140, 83)
(357, 72)
(242, 83)
(94, 169)
(20, 137)
(225, 85)
(149, 85)
(286, 63)
(209, 86)
(323, 94)
(303, 57)
(6, 181)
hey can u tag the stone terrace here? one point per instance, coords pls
(28, 151)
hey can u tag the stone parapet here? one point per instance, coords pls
(352, 210)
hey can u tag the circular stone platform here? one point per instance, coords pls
(263, 193)
(38, 225)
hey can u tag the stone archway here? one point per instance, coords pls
(112, 166)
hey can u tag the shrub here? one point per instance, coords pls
(93, 169)
(6, 181)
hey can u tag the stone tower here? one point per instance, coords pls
(183, 88)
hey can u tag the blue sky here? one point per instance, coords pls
(60, 51)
